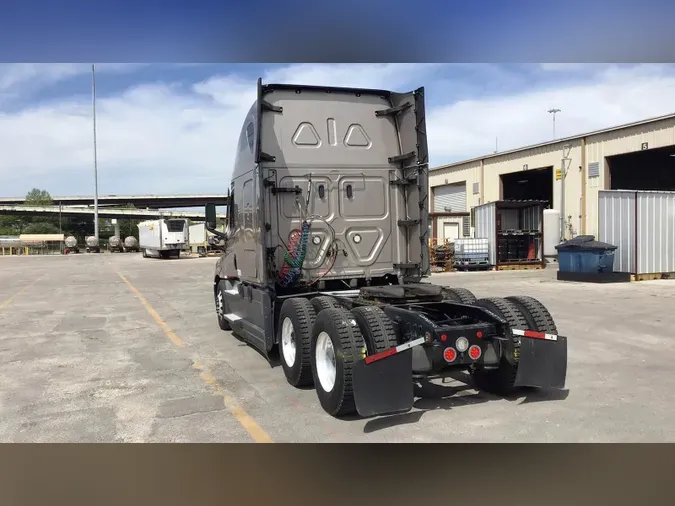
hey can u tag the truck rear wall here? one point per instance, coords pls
(336, 147)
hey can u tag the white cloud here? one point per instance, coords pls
(166, 138)
(614, 96)
(566, 67)
(25, 77)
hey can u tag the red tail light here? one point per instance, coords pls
(475, 352)
(449, 354)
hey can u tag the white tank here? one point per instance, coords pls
(551, 232)
(114, 242)
(92, 241)
(130, 242)
(71, 242)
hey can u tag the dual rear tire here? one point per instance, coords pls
(320, 341)
(521, 312)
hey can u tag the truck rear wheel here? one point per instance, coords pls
(500, 381)
(461, 295)
(294, 335)
(376, 327)
(324, 302)
(337, 343)
(537, 316)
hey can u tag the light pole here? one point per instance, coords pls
(93, 106)
(553, 111)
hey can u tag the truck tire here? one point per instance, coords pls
(221, 307)
(536, 314)
(500, 381)
(376, 328)
(324, 302)
(293, 335)
(461, 295)
(337, 343)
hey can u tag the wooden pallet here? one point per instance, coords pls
(473, 267)
(519, 267)
(652, 277)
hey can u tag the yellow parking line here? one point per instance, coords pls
(244, 419)
(5, 303)
(158, 319)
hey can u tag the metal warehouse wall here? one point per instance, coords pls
(595, 171)
(628, 140)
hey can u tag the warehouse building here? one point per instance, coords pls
(635, 156)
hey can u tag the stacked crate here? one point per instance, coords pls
(441, 255)
(471, 253)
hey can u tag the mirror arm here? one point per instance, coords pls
(217, 233)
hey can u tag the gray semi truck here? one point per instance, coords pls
(325, 258)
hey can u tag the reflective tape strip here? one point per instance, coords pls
(394, 351)
(534, 335)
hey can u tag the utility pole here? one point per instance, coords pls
(553, 111)
(93, 106)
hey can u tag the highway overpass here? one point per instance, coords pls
(140, 201)
(104, 212)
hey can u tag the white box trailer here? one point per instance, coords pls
(163, 238)
(198, 238)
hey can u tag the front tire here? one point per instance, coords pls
(294, 335)
(337, 343)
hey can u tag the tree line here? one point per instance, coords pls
(79, 227)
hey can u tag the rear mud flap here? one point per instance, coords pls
(384, 387)
(542, 363)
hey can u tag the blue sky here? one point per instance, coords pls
(172, 128)
(349, 30)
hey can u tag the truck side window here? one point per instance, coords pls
(232, 211)
(250, 131)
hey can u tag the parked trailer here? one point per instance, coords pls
(329, 266)
(92, 244)
(130, 244)
(198, 239)
(115, 244)
(71, 245)
(163, 238)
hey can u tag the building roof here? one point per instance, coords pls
(556, 141)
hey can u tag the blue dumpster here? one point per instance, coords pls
(584, 254)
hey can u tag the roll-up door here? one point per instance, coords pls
(450, 198)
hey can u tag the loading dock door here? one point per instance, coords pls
(450, 198)
(450, 231)
(532, 184)
(651, 169)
